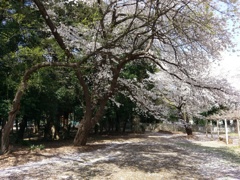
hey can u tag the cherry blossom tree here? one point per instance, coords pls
(181, 37)
(190, 101)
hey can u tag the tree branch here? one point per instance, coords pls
(53, 29)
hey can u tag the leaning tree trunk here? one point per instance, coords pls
(11, 117)
(89, 121)
(16, 102)
(5, 134)
(83, 131)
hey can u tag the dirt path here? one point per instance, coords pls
(152, 156)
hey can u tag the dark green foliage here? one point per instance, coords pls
(138, 70)
(19, 25)
(19, 47)
(173, 114)
(74, 13)
(214, 110)
(52, 92)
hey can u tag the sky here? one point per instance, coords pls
(229, 67)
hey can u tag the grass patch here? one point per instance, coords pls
(233, 134)
(37, 147)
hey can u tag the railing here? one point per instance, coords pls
(176, 127)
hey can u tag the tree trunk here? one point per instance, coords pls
(83, 131)
(16, 102)
(3, 122)
(16, 122)
(5, 134)
(36, 126)
(46, 131)
(88, 123)
(96, 128)
(206, 127)
(238, 131)
(124, 125)
(211, 128)
(226, 130)
(5, 141)
(108, 124)
(117, 124)
(65, 118)
(21, 131)
(188, 128)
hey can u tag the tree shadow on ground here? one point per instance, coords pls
(224, 152)
(22, 153)
(181, 158)
(159, 154)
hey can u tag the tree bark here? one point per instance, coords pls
(117, 123)
(5, 139)
(11, 117)
(185, 117)
(88, 123)
(83, 131)
(188, 130)
(89, 120)
(124, 125)
(206, 127)
(21, 131)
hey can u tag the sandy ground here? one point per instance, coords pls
(136, 157)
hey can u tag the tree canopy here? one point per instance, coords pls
(156, 53)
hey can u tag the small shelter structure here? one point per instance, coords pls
(226, 116)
